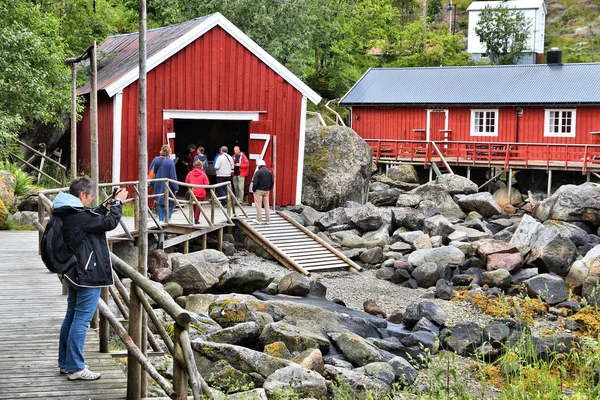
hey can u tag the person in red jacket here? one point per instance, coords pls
(241, 166)
(197, 176)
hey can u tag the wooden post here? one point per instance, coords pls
(180, 377)
(588, 177)
(509, 180)
(549, 182)
(136, 379)
(469, 173)
(204, 241)
(94, 168)
(73, 168)
(220, 239)
(104, 326)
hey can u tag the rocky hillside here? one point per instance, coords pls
(571, 25)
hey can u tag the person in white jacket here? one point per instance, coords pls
(223, 169)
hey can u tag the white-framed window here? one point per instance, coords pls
(484, 122)
(560, 122)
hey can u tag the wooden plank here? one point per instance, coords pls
(29, 333)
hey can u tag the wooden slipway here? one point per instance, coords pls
(294, 246)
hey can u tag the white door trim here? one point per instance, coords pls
(117, 133)
(212, 114)
(301, 145)
(428, 135)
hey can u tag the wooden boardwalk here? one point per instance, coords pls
(31, 312)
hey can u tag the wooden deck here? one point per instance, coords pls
(31, 312)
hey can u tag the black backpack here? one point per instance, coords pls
(56, 254)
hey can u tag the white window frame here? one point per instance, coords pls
(571, 134)
(476, 110)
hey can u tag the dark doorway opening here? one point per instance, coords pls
(210, 134)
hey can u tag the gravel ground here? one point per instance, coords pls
(354, 288)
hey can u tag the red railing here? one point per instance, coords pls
(504, 154)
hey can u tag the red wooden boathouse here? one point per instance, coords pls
(208, 84)
(519, 116)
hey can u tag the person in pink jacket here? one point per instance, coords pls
(197, 176)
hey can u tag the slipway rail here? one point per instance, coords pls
(294, 246)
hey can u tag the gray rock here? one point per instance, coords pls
(438, 225)
(372, 256)
(408, 200)
(424, 309)
(385, 273)
(231, 312)
(368, 218)
(404, 373)
(378, 370)
(483, 203)
(445, 205)
(456, 184)
(243, 334)
(294, 284)
(572, 203)
(329, 179)
(524, 274)
(387, 197)
(254, 394)
(310, 215)
(241, 358)
(422, 339)
(356, 349)
(362, 386)
(303, 382)
(463, 338)
(337, 216)
(295, 216)
(577, 275)
(443, 290)
(552, 251)
(526, 231)
(442, 256)
(242, 281)
(426, 274)
(499, 278)
(550, 288)
(496, 332)
(295, 338)
(403, 173)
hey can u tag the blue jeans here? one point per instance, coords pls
(81, 306)
(161, 212)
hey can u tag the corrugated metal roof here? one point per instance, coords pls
(118, 54)
(516, 4)
(510, 84)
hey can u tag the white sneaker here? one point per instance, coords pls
(255, 222)
(63, 370)
(84, 375)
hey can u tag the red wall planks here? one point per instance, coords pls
(215, 72)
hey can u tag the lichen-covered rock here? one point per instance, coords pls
(403, 173)
(357, 350)
(295, 337)
(230, 312)
(329, 179)
(199, 271)
(240, 358)
(278, 349)
(244, 280)
(243, 334)
(228, 379)
(572, 203)
(302, 382)
(311, 359)
(552, 251)
(363, 386)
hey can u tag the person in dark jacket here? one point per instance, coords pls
(84, 231)
(164, 167)
(262, 183)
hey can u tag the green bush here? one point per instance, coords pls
(24, 182)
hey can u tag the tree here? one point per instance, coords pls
(504, 32)
(34, 81)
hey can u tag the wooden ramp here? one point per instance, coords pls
(31, 312)
(293, 245)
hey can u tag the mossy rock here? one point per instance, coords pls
(278, 349)
(228, 379)
(3, 216)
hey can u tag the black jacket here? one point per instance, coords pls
(262, 180)
(84, 230)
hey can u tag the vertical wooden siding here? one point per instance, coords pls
(216, 73)
(105, 138)
(398, 123)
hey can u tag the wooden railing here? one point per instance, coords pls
(43, 157)
(502, 154)
(185, 373)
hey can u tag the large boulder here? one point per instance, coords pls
(550, 288)
(526, 231)
(8, 183)
(482, 202)
(590, 285)
(572, 203)
(552, 251)
(331, 176)
(440, 196)
(357, 350)
(297, 380)
(456, 184)
(501, 196)
(442, 256)
(199, 271)
(403, 173)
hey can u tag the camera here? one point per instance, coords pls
(111, 199)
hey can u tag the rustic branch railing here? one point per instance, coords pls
(43, 156)
(185, 373)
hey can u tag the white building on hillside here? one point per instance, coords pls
(533, 10)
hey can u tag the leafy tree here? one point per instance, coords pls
(440, 49)
(504, 32)
(34, 82)
(434, 8)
